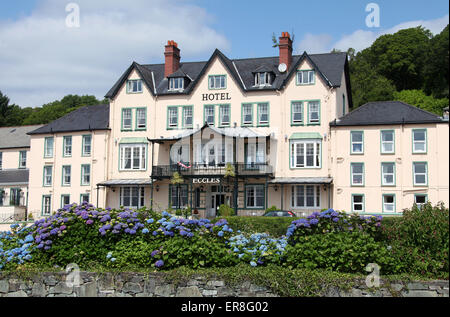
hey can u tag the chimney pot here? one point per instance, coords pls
(172, 58)
(285, 46)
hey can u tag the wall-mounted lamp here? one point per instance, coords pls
(285, 138)
(113, 189)
(157, 187)
(275, 187)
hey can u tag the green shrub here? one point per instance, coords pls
(225, 211)
(274, 226)
(131, 252)
(421, 238)
(273, 208)
(348, 252)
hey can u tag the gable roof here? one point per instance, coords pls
(87, 118)
(387, 112)
(330, 68)
(16, 137)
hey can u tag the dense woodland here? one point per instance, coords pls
(410, 65)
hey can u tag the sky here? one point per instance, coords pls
(43, 57)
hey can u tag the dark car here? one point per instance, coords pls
(279, 213)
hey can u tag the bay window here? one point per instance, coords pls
(305, 196)
(305, 154)
(132, 197)
(133, 157)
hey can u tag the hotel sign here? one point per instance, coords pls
(206, 180)
(218, 96)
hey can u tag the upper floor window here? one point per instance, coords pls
(85, 175)
(357, 174)
(172, 117)
(305, 154)
(141, 119)
(420, 173)
(313, 112)
(126, 119)
(87, 145)
(176, 83)
(305, 77)
(134, 86)
(263, 114)
(263, 79)
(48, 175)
(66, 175)
(388, 174)
(188, 117)
(217, 82)
(67, 146)
(387, 142)
(48, 147)
(419, 137)
(210, 115)
(356, 142)
(224, 115)
(297, 113)
(255, 154)
(133, 157)
(247, 114)
(22, 159)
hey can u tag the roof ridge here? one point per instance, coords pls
(425, 111)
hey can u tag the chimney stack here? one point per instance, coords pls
(172, 54)
(285, 45)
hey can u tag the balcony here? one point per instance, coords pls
(240, 169)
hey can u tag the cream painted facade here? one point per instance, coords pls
(131, 163)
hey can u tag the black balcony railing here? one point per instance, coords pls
(240, 169)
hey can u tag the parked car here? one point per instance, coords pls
(279, 213)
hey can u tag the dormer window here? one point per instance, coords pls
(134, 86)
(305, 77)
(263, 79)
(176, 83)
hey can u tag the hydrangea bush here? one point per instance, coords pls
(16, 246)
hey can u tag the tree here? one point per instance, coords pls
(419, 99)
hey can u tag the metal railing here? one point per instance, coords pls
(240, 169)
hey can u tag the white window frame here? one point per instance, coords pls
(317, 149)
(217, 82)
(134, 86)
(310, 112)
(296, 104)
(66, 173)
(262, 79)
(417, 142)
(384, 174)
(425, 174)
(420, 195)
(188, 112)
(140, 191)
(126, 117)
(22, 159)
(386, 205)
(141, 118)
(46, 205)
(261, 106)
(352, 142)
(87, 146)
(253, 189)
(67, 146)
(227, 110)
(176, 83)
(85, 175)
(362, 203)
(48, 151)
(83, 200)
(172, 114)
(384, 143)
(64, 196)
(48, 176)
(210, 108)
(142, 157)
(247, 110)
(353, 174)
(295, 194)
(310, 78)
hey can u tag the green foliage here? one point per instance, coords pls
(132, 252)
(421, 239)
(229, 171)
(273, 208)
(225, 211)
(348, 252)
(176, 179)
(274, 226)
(419, 99)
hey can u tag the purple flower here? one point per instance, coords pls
(314, 221)
(159, 263)
(90, 222)
(335, 219)
(154, 253)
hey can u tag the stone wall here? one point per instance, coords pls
(155, 285)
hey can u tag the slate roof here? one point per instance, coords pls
(87, 118)
(387, 112)
(330, 68)
(14, 177)
(301, 180)
(16, 137)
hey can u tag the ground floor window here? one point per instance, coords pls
(65, 200)
(305, 196)
(84, 198)
(357, 203)
(46, 205)
(15, 197)
(254, 196)
(420, 199)
(178, 196)
(2, 193)
(389, 203)
(132, 197)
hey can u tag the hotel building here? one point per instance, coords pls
(250, 133)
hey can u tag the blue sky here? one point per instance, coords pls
(42, 60)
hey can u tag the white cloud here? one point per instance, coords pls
(42, 60)
(361, 39)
